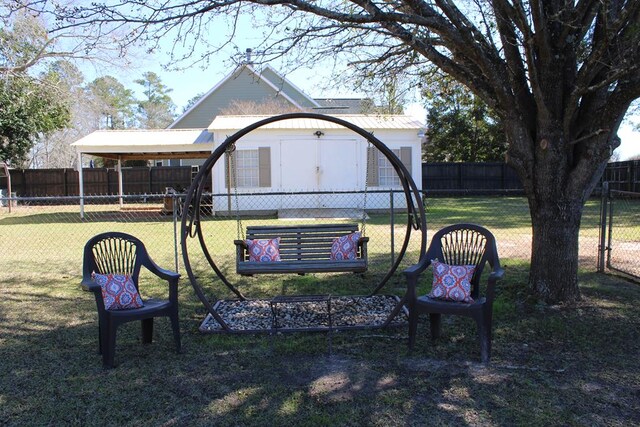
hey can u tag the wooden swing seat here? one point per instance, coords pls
(303, 249)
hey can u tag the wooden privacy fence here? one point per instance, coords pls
(623, 176)
(469, 176)
(481, 177)
(101, 181)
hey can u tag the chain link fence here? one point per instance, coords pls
(620, 244)
(50, 232)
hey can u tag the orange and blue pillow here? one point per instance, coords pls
(118, 291)
(264, 250)
(345, 247)
(452, 282)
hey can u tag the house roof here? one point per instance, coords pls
(367, 122)
(147, 144)
(270, 77)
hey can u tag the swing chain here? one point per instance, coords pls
(363, 227)
(232, 172)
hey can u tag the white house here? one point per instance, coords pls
(307, 155)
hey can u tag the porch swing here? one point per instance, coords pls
(300, 249)
(304, 248)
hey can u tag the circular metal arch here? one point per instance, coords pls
(191, 225)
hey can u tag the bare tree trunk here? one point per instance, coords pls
(556, 204)
(554, 253)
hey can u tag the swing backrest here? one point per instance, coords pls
(303, 242)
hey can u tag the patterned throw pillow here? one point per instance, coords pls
(452, 282)
(118, 291)
(264, 250)
(345, 247)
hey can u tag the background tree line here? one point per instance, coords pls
(46, 102)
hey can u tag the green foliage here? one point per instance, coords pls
(156, 111)
(460, 126)
(28, 108)
(114, 102)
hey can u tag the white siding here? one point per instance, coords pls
(309, 158)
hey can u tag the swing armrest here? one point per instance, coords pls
(241, 249)
(362, 242)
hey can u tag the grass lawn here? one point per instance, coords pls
(550, 365)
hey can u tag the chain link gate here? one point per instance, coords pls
(619, 247)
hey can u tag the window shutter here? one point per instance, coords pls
(229, 177)
(264, 166)
(372, 167)
(405, 158)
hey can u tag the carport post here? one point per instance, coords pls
(120, 186)
(81, 185)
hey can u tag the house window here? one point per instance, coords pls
(380, 172)
(247, 168)
(387, 176)
(252, 168)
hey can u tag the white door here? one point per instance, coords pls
(310, 165)
(338, 165)
(339, 170)
(299, 172)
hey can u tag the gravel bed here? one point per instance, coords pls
(346, 312)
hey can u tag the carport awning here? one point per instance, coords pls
(147, 144)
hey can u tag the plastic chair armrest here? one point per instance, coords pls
(90, 285)
(415, 270)
(169, 275)
(494, 277)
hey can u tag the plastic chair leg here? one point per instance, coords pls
(175, 325)
(147, 330)
(413, 328)
(435, 320)
(484, 335)
(109, 349)
(100, 339)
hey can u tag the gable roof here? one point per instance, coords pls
(287, 87)
(271, 80)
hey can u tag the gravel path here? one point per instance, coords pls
(264, 315)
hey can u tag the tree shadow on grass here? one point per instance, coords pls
(550, 366)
